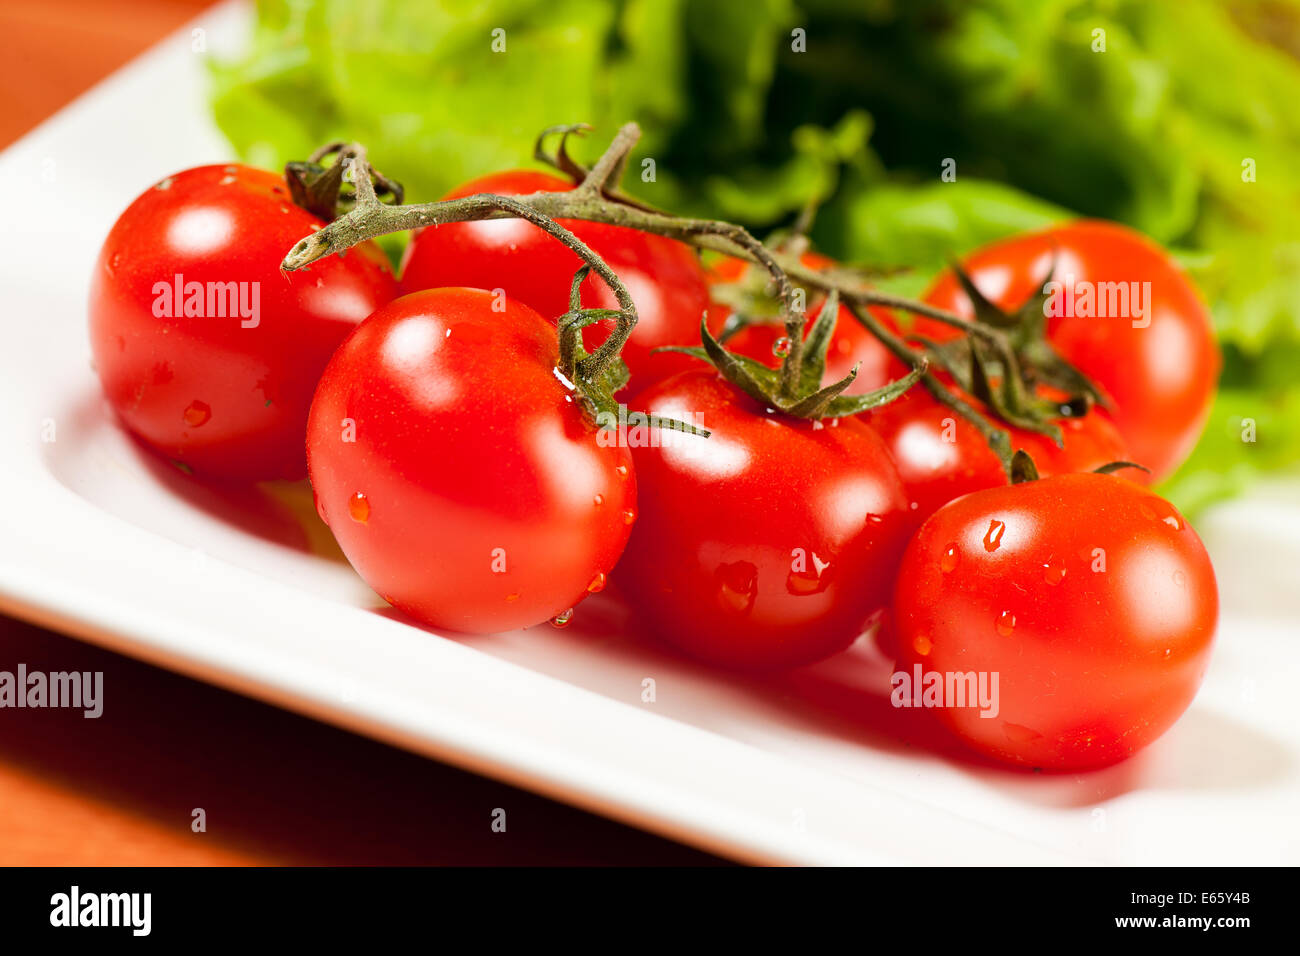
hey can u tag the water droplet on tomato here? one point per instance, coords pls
(114, 261)
(921, 644)
(562, 619)
(597, 583)
(781, 347)
(1006, 623)
(949, 559)
(1158, 510)
(320, 509)
(993, 537)
(1054, 572)
(510, 598)
(622, 471)
(600, 500)
(359, 507)
(196, 413)
(873, 518)
(1180, 579)
(629, 516)
(737, 586)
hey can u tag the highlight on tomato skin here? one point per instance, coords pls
(205, 350)
(458, 474)
(1089, 597)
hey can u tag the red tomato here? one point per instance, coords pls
(1160, 373)
(1089, 597)
(941, 456)
(214, 381)
(768, 544)
(459, 475)
(851, 344)
(663, 276)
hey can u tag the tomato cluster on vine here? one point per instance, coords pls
(787, 493)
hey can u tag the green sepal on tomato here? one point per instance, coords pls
(851, 346)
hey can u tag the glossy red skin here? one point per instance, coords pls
(664, 276)
(941, 456)
(710, 566)
(223, 224)
(1161, 378)
(851, 344)
(1095, 666)
(466, 442)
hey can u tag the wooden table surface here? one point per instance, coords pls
(276, 788)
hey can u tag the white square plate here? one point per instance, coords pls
(245, 591)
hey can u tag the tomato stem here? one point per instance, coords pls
(998, 439)
(990, 362)
(319, 189)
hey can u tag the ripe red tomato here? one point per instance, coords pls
(851, 344)
(458, 474)
(941, 456)
(1160, 373)
(1090, 598)
(663, 276)
(770, 543)
(219, 377)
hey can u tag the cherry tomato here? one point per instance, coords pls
(1090, 598)
(941, 456)
(1159, 368)
(768, 544)
(663, 276)
(851, 344)
(219, 377)
(458, 473)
